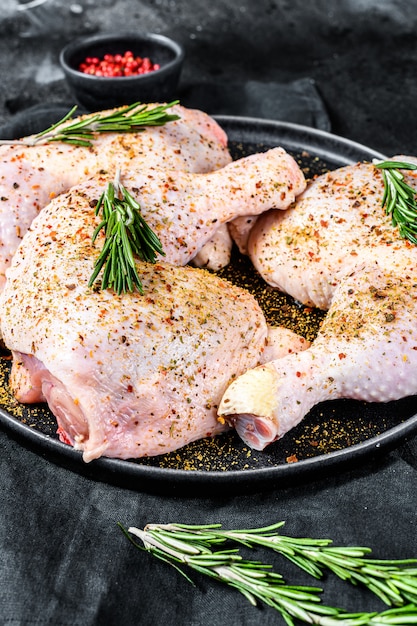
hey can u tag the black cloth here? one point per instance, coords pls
(297, 102)
(64, 561)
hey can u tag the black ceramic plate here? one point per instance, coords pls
(333, 436)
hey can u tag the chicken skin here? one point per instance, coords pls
(335, 249)
(140, 375)
(366, 349)
(185, 209)
(337, 224)
(130, 375)
(31, 175)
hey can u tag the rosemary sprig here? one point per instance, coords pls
(129, 119)
(186, 545)
(399, 198)
(126, 235)
(393, 583)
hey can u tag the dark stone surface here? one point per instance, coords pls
(361, 54)
(63, 560)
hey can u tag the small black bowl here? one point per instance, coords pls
(96, 93)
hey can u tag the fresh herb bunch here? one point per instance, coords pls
(126, 235)
(395, 582)
(128, 119)
(399, 198)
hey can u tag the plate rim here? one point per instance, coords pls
(295, 128)
(169, 479)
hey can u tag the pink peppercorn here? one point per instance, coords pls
(113, 65)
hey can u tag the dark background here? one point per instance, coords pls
(361, 53)
(63, 560)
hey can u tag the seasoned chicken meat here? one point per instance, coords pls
(132, 375)
(185, 209)
(337, 224)
(365, 350)
(335, 249)
(31, 175)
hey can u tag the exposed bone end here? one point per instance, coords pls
(249, 405)
(257, 432)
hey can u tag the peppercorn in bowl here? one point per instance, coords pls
(110, 70)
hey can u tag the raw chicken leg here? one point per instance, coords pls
(31, 176)
(186, 210)
(336, 248)
(131, 375)
(194, 206)
(366, 349)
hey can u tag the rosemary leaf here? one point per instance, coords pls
(126, 235)
(82, 132)
(399, 198)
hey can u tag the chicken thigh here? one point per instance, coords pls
(337, 224)
(335, 249)
(132, 375)
(31, 175)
